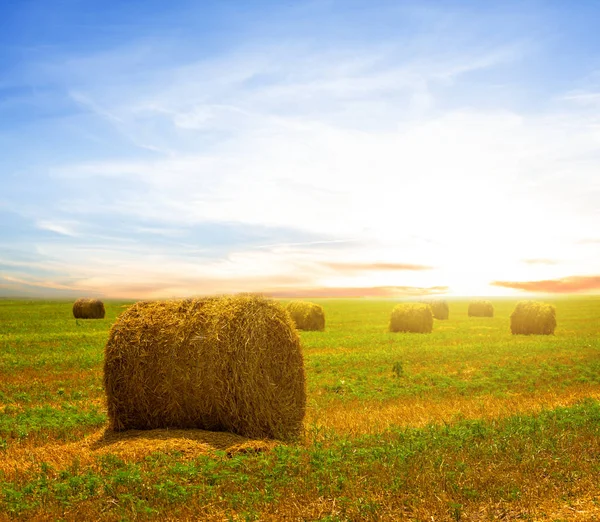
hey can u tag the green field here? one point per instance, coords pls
(466, 423)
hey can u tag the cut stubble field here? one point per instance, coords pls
(466, 423)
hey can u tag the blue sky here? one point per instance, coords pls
(154, 149)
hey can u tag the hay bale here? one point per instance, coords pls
(416, 317)
(481, 309)
(306, 316)
(533, 317)
(88, 309)
(440, 310)
(220, 364)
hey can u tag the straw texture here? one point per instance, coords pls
(88, 309)
(130, 446)
(533, 317)
(440, 310)
(415, 317)
(221, 364)
(306, 316)
(481, 309)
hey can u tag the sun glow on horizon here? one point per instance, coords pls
(157, 165)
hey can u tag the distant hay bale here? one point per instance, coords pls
(481, 309)
(416, 317)
(533, 317)
(231, 363)
(306, 316)
(88, 309)
(440, 310)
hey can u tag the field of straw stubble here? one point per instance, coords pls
(466, 423)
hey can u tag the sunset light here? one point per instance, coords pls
(173, 163)
(311, 260)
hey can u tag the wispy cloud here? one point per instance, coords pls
(566, 285)
(540, 261)
(380, 291)
(39, 284)
(584, 98)
(368, 267)
(63, 228)
(281, 246)
(311, 161)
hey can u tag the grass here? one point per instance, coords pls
(466, 423)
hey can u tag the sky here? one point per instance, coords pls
(315, 148)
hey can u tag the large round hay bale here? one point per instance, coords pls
(409, 317)
(481, 308)
(440, 310)
(306, 316)
(221, 364)
(88, 309)
(533, 317)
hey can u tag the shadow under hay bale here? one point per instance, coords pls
(417, 318)
(533, 318)
(138, 444)
(130, 446)
(88, 309)
(307, 316)
(481, 309)
(221, 364)
(440, 310)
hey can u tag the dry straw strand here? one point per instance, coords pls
(533, 317)
(231, 363)
(306, 316)
(481, 308)
(130, 446)
(408, 317)
(440, 309)
(88, 309)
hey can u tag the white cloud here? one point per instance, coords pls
(361, 144)
(59, 227)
